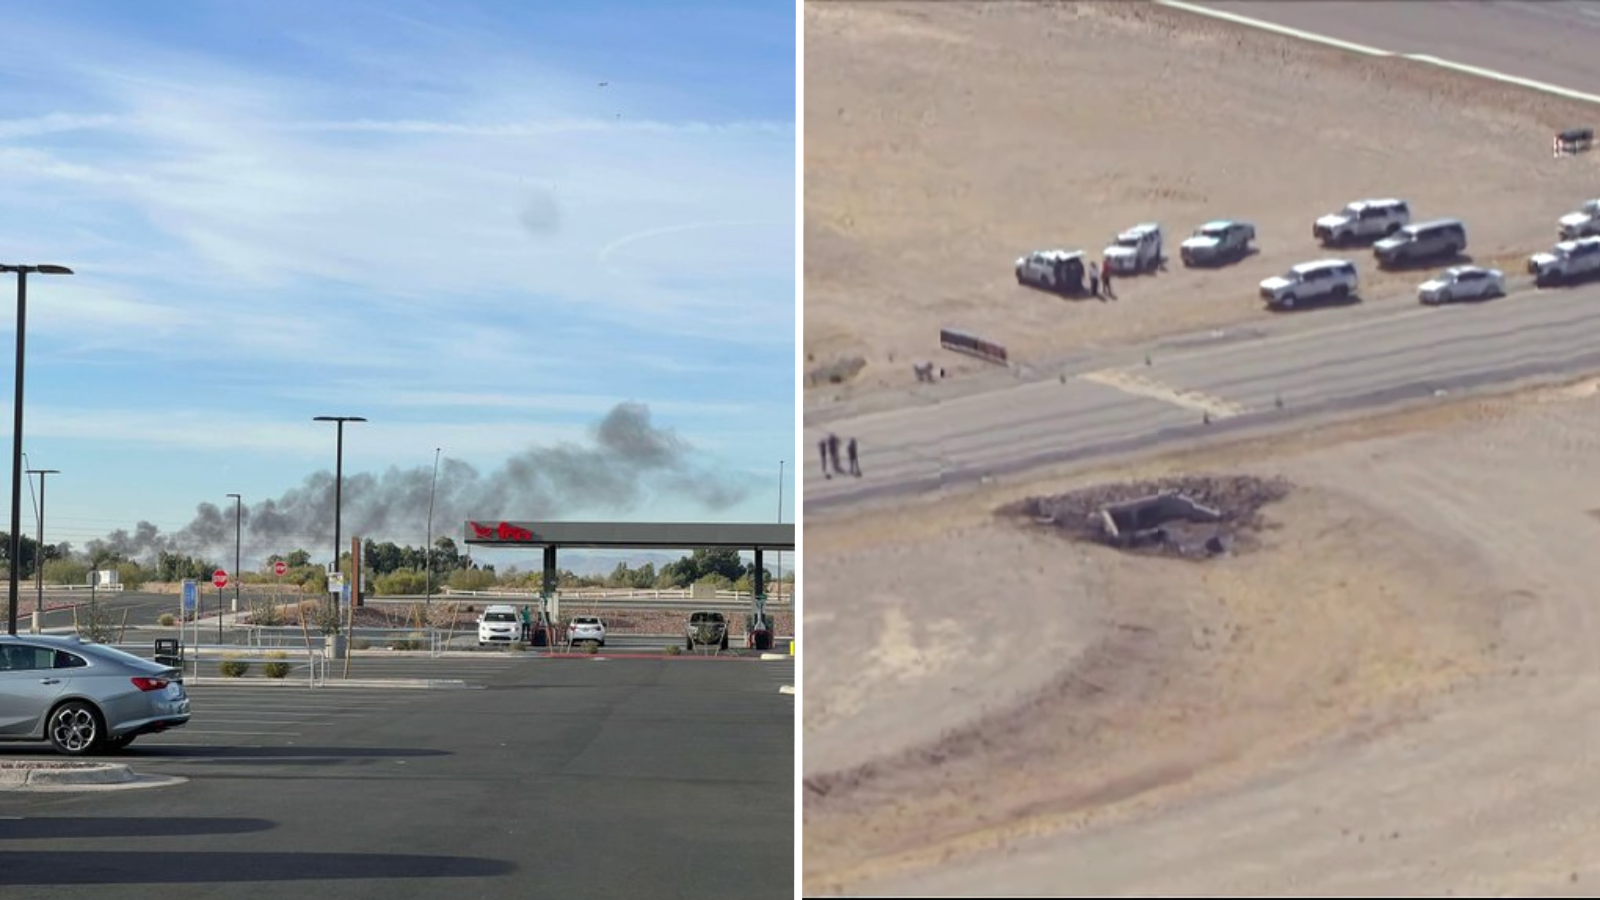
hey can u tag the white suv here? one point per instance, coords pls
(1566, 262)
(588, 628)
(1582, 223)
(1136, 250)
(1325, 279)
(499, 624)
(1362, 220)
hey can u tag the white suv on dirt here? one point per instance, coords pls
(1566, 262)
(1582, 223)
(1362, 220)
(1136, 250)
(1217, 242)
(1311, 282)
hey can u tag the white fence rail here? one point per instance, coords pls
(610, 594)
(26, 588)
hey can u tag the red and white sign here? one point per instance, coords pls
(220, 578)
(280, 568)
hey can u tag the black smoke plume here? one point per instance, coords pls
(626, 460)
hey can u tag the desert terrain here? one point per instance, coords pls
(945, 140)
(1391, 691)
(1411, 650)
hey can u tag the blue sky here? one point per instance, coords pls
(428, 214)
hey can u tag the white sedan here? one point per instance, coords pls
(1462, 283)
(588, 628)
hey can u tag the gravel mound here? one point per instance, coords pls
(1238, 499)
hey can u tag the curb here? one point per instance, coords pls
(16, 773)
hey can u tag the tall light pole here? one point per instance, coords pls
(38, 550)
(427, 598)
(338, 487)
(238, 508)
(16, 427)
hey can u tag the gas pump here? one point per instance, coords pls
(544, 628)
(759, 632)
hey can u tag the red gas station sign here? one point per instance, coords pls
(504, 531)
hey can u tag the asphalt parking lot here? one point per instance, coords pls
(542, 777)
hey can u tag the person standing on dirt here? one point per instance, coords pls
(822, 451)
(1105, 278)
(1094, 280)
(833, 451)
(855, 462)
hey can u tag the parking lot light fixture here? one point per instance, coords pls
(22, 272)
(338, 487)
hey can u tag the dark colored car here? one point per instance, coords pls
(707, 627)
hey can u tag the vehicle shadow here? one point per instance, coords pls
(277, 753)
(67, 827)
(190, 866)
(1571, 282)
(1081, 293)
(1355, 243)
(1330, 303)
(1223, 262)
(1425, 264)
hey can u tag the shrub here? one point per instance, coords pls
(401, 581)
(276, 669)
(132, 575)
(471, 580)
(359, 643)
(265, 612)
(673, 650)
(66, 571)
(232, 666)
(167, 620)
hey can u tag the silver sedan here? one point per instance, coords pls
(84, 697)
(1462, 283)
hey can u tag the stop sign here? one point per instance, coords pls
(280, 568)
(220, 578)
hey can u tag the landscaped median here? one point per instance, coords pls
(67, 775)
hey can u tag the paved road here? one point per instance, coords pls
(1338, 363)
(1543, 40)
(559, 778)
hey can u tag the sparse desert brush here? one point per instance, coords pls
(276, 669)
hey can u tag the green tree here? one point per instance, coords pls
(644, 577)
(446, 557)
(701, 563)
(621, 576)
(298, 558)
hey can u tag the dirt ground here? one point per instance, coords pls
(944, 140)
(1417, 632)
